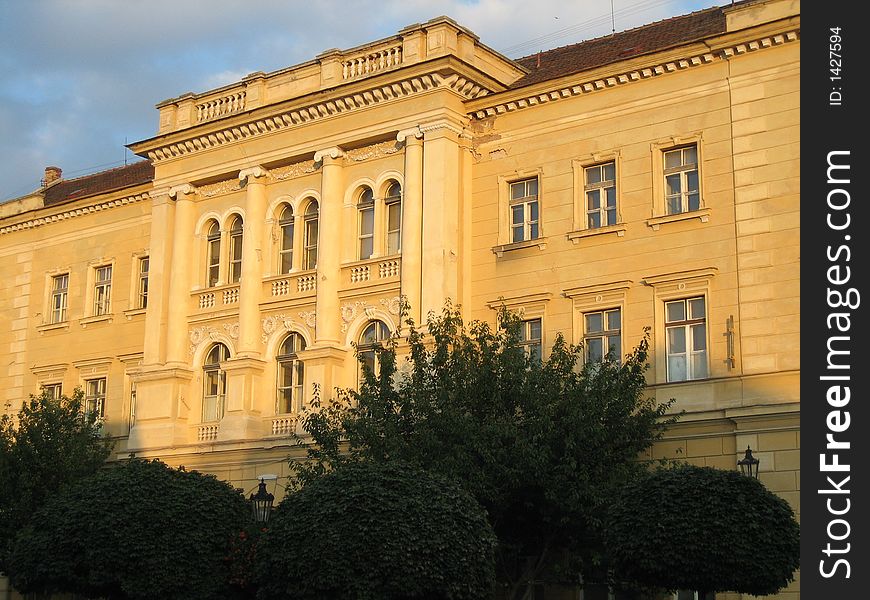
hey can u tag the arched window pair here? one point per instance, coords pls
(310, 231)
(214, 254)
(290, 385)
(392, 221)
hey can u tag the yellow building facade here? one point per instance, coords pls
(649, 179)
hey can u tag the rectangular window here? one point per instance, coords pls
(132, 404)
(603, 334)
(686, 325)
(524, 210)
(142, 294)
(601, 195)
(52, 390)
(102, 290)
(214, 259)
(682, 190)
(59, 294)
(95, 397)
(394, 227)
(366, 231)
(530, 338)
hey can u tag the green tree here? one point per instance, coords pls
(50, 443)
(377, 531)
(703, 529)
(542, 445)
(135, 530)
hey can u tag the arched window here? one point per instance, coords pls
(285, 252)
(236, 250)
(366, 207)
(215, 384)
(213, 253)
(309, 257)
(393, 203)
(291, 375)
(372, 338)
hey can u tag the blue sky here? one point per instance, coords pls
(79, 77)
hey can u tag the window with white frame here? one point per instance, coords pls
(213, 254)
(531, 333)
(524, 210)
(291, 375)
(215, 384)
(142, 287)
(285, 250)
(132, 405)
(393, 202)
(686, 330)
(102, 290)
(59, 296)
(95, 397)
(372, 338)
(600, 195)
(52, 390)
(602, 334)
(236, 237)
(366, 209)
(682, 184)
(310, 226)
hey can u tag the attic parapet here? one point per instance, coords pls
(332, 68)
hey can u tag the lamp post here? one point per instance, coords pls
(749, 464)
(261, 504)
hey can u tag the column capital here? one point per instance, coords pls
(256, 172)
(185, 189)
(440, 126)
(334, 153)
(159, 195)
(409, 135)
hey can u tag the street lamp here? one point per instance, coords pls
(749, 464)
(261, 503)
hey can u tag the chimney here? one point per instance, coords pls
(52, 174)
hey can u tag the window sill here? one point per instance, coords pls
(52, 327)
(540, 243)
(129, 314)
(576, 236)
(703, 214)
(100, 319)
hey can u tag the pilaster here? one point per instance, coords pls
(327, 327)
(250, 286)
(159, 275)
(242, 420)
(179, 280)
(412, 222)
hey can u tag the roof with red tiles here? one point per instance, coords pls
(68, 190)
(567, 60)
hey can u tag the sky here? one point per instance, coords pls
(79, 79)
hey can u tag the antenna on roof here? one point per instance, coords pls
(125, 150)
(612, 19)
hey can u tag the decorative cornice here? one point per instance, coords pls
(74, 212)
(373, 151)
(294, 170)
(290, 118)
(632, 76)
(226, 186)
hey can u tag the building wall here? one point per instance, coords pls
(455, 151)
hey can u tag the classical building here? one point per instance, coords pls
(647, 179)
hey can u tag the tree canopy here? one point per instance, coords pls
(542, 445)
(50, 443)
(703, 529)
(377, 531)
(135, 530)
